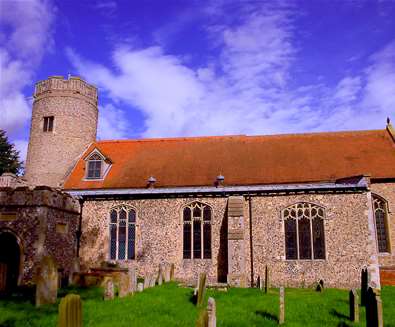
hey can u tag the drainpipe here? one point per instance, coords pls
(79, 231)
(251, 245)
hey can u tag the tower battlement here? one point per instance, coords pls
(58, 85)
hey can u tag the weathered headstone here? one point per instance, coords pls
(75, 269)
(70, 311)
(281, 314)
(364, 286)
(123, 285)
(211, 312)
(132, 280)
(46, 282)
(267, 279)
(374, 309)
(147, 281)
(354, 305)
(172, 270)
(167, 273)
(152, 280)
(140, 287)
(109, 289)
(201, 289)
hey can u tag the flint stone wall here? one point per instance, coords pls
(38, 212)
(159, 238)
(387, 191)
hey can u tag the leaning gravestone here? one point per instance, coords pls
(46, 282)
(354, 308)
(123, 285)
(374, 309)
(140, 287)
(267, 279)
(201, 291)
(281, 314)
(211, 313)
(75, 269)
(109, 289)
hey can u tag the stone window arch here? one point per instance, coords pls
(197, 220)
(380, 209)
(304, 231)
(122, 233)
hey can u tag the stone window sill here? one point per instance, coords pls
(384, 254)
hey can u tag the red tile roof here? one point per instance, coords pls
(243, 160)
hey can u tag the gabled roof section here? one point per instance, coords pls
(242, 160)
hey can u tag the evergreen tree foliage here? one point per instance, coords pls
(9, 156)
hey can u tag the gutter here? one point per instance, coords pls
(361, 184)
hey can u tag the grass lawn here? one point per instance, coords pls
(170, 305)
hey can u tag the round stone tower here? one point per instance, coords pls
(64, 123)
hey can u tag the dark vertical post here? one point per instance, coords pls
(364, 286)
(79, 231)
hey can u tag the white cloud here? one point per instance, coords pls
(26, 27)
(113, 123)
(245, 90)
(21, 146)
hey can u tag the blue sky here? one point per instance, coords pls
(184, 68)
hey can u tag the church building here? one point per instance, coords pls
(311, 206)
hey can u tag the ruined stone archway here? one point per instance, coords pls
(10, 256)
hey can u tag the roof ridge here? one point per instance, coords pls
(192, 138)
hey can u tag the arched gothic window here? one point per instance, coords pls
(122, 233)
(304, 231)
(197, 231)
(381, 218)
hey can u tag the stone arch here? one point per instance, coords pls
(11, 260)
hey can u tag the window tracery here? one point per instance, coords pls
(304, 231)
(381, 216)
(122, 233)
(197, 231)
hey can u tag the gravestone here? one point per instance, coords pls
(374, 309)
(167, 273)
(75, 269)
(46, 282)
(109, 289)
(140, 287)
(281, 314)
(267, 279)
(354, 308)
(211, 313)
(201, 290)
(152, 280)
(147, 281)
(124, 285)
(364, 286)
(132, 280)
(172, 270)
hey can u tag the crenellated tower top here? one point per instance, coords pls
(58, 85)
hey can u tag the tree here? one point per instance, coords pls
(9, 156)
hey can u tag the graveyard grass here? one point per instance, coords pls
(170, 305)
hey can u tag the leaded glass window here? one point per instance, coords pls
(122, 233)
(304, 231)
(94, 167)
(381, 216)
(197, 231)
